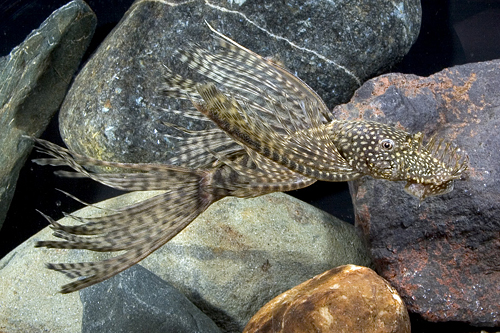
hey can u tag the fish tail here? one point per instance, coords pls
(141, 228)
(138, 229)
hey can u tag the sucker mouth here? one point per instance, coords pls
(422, 191)
(440, 162)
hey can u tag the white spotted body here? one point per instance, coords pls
(383, 151)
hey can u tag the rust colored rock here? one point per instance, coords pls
(442, 254)
(344, 299)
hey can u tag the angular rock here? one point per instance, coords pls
(112, 111)
(442, 254)
(229, 262)
(139, 301)
(35, 77)
(344, 299)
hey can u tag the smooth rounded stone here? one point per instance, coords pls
(139, 301)
(229, 262)
(113, 110)
(344, 299)
(442, 254)
(35, 77)
(242, 252)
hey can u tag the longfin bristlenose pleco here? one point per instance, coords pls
(272, 133)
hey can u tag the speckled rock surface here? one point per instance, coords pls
(112, 111)
(240, 253)
(35, 77)
(139, 301)
(229, 262)
(442, 255)
(344, 299)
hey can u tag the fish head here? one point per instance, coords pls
(385, 152)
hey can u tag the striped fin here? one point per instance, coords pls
(146, 177)
(307, 152)
(139, 234)
(249, 76)
(143, 227)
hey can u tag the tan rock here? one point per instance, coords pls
(230, 261)
(344, 299)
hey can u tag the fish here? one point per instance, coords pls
(142, 228)
(267, 131)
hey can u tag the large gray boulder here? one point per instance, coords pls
(229, 262)
(442, 254)
(139, 301)
(35, 77)
(112, 110)
(239, 254)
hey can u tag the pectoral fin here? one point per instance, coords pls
(423, 191)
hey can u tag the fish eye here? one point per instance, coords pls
(387, 144)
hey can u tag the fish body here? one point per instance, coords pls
(268, 132)
(343, 150)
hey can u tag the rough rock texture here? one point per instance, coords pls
(229, 262)
(442, 255)
(112, 111)
(35, 77)
(139, 301)
(344, 299)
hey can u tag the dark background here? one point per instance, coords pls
(452, 33)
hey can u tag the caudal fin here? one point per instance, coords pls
(138, 229)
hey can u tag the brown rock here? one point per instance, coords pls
(442, 254)
(344, 299)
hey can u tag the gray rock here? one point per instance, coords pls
(442, 255)
(112, 110)
(136, 300)
(239, 254)
(35, 77)
(229, 262)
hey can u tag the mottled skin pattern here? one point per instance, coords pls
(268, 132)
